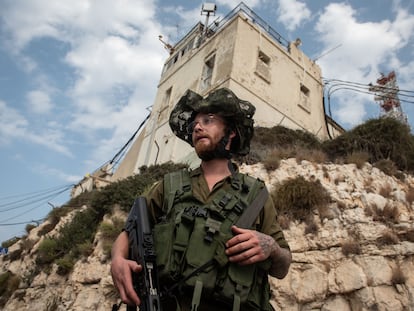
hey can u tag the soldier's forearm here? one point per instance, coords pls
(281, 259)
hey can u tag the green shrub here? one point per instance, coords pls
(80, 200)
(125, 191)
(75, 237)
(30, 227)
(387, 166)
(65, 265)
(55, 215)
(384, 138)
(10, 242)
(298, 197)
(47, 251)
(85, 249)
(110, 230)
(284, 140)
(9, 282)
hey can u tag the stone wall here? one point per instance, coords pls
(357, 258)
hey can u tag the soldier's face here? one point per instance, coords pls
(207, 131)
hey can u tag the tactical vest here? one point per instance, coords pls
(190, 243)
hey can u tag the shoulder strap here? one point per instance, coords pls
(250, 214)
(257, 197)
(175, 183)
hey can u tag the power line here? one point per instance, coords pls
(34, 198)
(23, 223)
(39, 198)
(335, 84)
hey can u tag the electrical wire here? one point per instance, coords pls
(32, 197)
(380, 92)
(335, 84)
(120, 154)
(23, 223)
(39, 198)
(43, 196)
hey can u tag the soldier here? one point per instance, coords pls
(211, 263)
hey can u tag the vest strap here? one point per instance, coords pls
(198, 288)
(236, 303)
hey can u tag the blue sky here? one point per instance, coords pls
(77, 77)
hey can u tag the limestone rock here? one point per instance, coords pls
(377, 277)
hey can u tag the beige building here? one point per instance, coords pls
(243, 53)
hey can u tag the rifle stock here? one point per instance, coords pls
(141, 249)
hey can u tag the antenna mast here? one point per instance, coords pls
(167, 46)
(208, 9)
(386, 94)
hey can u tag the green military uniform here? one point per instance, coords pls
(266, 223)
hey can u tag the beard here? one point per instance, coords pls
(210, 150)
(206, 151)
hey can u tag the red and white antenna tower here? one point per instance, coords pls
(386, 93)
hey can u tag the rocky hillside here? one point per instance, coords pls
(357, 254)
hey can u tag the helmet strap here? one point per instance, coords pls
(220, 152)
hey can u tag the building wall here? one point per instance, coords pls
(283, 84)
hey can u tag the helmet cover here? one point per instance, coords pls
(237, 113)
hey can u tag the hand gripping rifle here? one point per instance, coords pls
(141, 249)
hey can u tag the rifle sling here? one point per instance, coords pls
(250, 214)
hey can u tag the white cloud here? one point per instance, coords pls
(66, 21)
(364, 49)
(47, 170)
(364, 46)
(13, 125)
(233, 3)
(39, 102)
(292, 13)
(113, 49)
(352, 109)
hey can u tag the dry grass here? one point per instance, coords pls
(387, 166)
(389, 214)
(359, 158)
(398, 276)
(351, 247)
(312, 155)
(311, 227)
(284, 222)
(9, 282)
(272, 162)
(388, 238)
(297, 198)
(409, 196)
(386, 191)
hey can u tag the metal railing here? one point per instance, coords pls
(254, 18)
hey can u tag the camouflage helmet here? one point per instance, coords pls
(237, 113)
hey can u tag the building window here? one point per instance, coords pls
(305, 91)
(207, 74)
(163, 114)
(263, 66)
(304, 101)
(264, 58)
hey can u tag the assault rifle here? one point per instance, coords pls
(141, 249)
